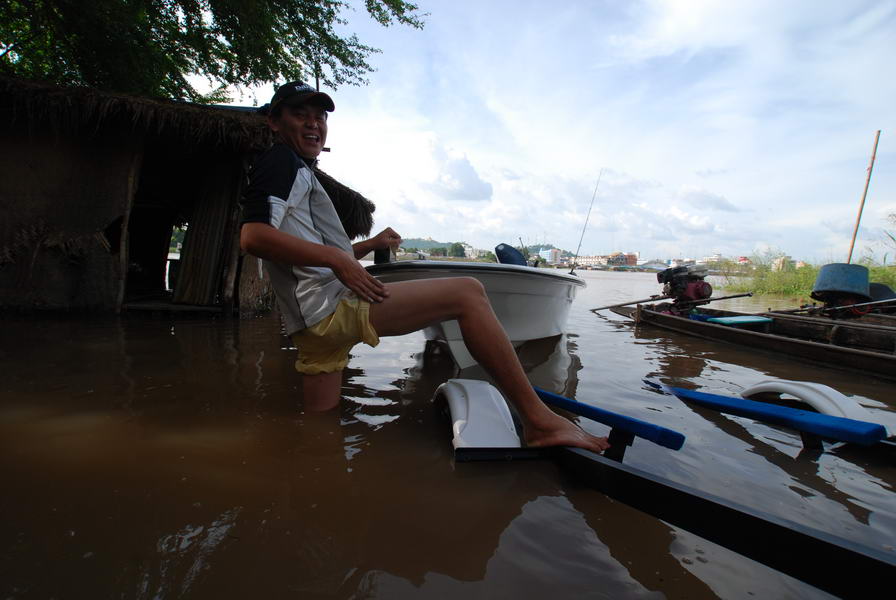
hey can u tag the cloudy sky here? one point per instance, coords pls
(719, 126)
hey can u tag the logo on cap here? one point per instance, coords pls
(304, 87)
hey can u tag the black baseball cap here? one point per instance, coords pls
(296, 92)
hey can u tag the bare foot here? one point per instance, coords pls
(557, 431)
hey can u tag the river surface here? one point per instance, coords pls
(158, 457)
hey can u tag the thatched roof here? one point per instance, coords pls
(354, 210)
(76, 109)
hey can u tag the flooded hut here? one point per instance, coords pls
(93, 184)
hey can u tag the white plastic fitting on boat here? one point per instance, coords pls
(479, 415)
(822, 398)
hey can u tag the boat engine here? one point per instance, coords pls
(686, 287)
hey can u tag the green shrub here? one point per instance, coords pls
(885, 275)
(794, 282)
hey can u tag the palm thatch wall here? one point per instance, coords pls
(92, 183)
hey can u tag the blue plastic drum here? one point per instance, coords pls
(840, 280)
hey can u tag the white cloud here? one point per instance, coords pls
(704, 199)
(456, 178)
(720, 126)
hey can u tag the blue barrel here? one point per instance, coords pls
(839, 280)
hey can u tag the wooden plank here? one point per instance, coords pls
(871, 322)
(203, 255)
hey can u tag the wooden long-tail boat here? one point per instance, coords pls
(868, 347)
(871, 318)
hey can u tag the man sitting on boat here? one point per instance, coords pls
(330, 302)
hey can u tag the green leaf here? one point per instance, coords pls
(151, 47)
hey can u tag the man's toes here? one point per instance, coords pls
(601, 444)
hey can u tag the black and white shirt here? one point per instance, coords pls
(284, 193)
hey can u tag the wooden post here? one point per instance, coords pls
(864, 193)
(231, 267)
(233, 261)
(123, 254)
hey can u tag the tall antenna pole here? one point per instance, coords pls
(582, 237)
(864, 193)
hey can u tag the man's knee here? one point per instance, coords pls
(472, 285)
(471, 291)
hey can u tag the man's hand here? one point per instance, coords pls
(387, 238)
(357, 279)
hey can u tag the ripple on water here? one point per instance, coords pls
(181, 454)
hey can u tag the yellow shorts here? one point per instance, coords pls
(324, 347)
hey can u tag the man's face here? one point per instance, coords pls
(303, 127)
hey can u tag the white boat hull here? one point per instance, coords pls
(530, 303)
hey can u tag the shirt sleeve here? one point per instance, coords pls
(272, 175)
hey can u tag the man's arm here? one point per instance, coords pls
(362, 248)
(269, 243)
(387, 238)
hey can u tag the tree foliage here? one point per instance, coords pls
(890, 236)
(152, 47)
(887, 242)
(456, 250)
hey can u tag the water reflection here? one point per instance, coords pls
(680, 363)
(635, 554)
(485, 516)
(147, 458)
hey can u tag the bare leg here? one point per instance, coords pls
(321, 392)
(412, 305)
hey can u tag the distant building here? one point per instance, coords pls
(550, 255)
(782, 263)
(471, 252)
(713, 258)
(591, 261)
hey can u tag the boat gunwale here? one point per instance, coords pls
(832, 322)
(410, 265)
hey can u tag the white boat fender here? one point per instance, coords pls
(480, 417)
(822, 398)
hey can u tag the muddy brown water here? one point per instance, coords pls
(157, 457)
